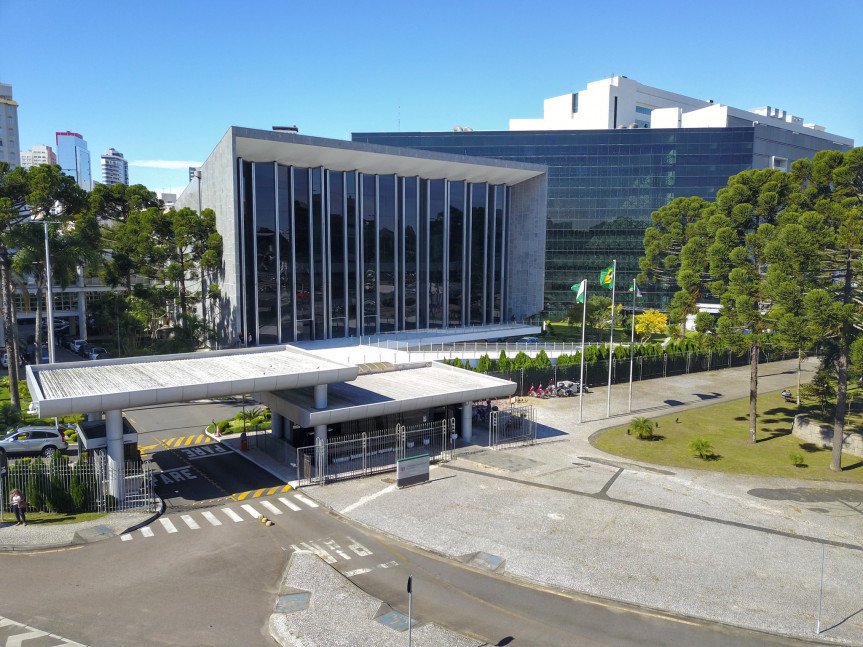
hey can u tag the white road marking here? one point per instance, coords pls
(126, 537)
(320, 552)
(388, 565)
(232, 515)
(254, 514)
(17, 639)
(209, 516)
(333, 546)
(304, 499)
(190, 522)
(293, 506)
(371, 497)
(168, 524)
(147, 531)
(271, 507)
(358, 548)
(359, 571)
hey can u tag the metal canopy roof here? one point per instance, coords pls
(106, 385)
(406, 388)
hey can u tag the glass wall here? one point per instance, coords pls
(337, 254)
(602, 187)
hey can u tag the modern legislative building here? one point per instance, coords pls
(616, 152)
(328, 239)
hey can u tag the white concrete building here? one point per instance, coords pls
(619, 102)
(38, 155)
(115, 169)
(9, 144)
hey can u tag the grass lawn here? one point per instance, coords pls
(726, 427)
(44, 518)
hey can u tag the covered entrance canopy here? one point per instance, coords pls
(105, 385)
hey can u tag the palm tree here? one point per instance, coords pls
(642, 428)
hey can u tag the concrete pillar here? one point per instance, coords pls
(278, 425)
(320, 396)
(467, 421)
(116, 460)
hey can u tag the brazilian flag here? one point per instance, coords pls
(606, 277)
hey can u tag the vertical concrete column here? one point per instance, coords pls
(467, 421)
(278, 425)
(321, 396)
(116, 461)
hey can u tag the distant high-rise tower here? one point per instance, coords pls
(74, 158)
(38, 155)
(8, 127)
(115, 169)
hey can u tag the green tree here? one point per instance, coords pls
(642, 428)
(37, 192)
(484, 364)
(832, 188)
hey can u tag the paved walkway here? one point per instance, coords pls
(734, 549)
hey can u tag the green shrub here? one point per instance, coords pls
(797, 460)
(642, 428)
(702, 448)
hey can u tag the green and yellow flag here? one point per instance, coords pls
(606, 277)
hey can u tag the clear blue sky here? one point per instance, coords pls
(162, 81)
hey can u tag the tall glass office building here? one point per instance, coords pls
(327, 239)
(604, 184)
(73, 156)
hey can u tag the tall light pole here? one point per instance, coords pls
(48, 295)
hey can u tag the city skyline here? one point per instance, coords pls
(399, 68)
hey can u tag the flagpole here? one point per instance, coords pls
(581, 376)
(611, 337)
(632, 344)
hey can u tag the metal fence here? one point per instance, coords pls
(358, 455)
(514, 426)
(56, 485)
(646, 367)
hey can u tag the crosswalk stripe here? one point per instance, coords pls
(291, 505)
(269, 506)
(147, 531)
(359, 571)
(126, 537)
(168, 524)
(209, 516)
(306, 500)
(190, 522)
(254, 514)
(232, 515)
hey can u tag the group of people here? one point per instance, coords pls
(19, 507)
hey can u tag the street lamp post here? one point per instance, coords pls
(49, 298)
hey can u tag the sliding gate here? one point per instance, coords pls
(365, 454)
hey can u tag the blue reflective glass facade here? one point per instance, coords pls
(329, 254)
(602, 187)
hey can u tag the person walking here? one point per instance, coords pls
(19, 507)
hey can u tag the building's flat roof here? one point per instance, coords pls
(407, 388)
(105, 385)
(337, 155)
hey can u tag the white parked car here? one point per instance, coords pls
(76, 344)
(96, 351)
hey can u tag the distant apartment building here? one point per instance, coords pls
(8, 127)
(169, 199)
(115, 169)
(37, 156)
(74, 158)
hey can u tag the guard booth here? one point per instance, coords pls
(93, 439)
